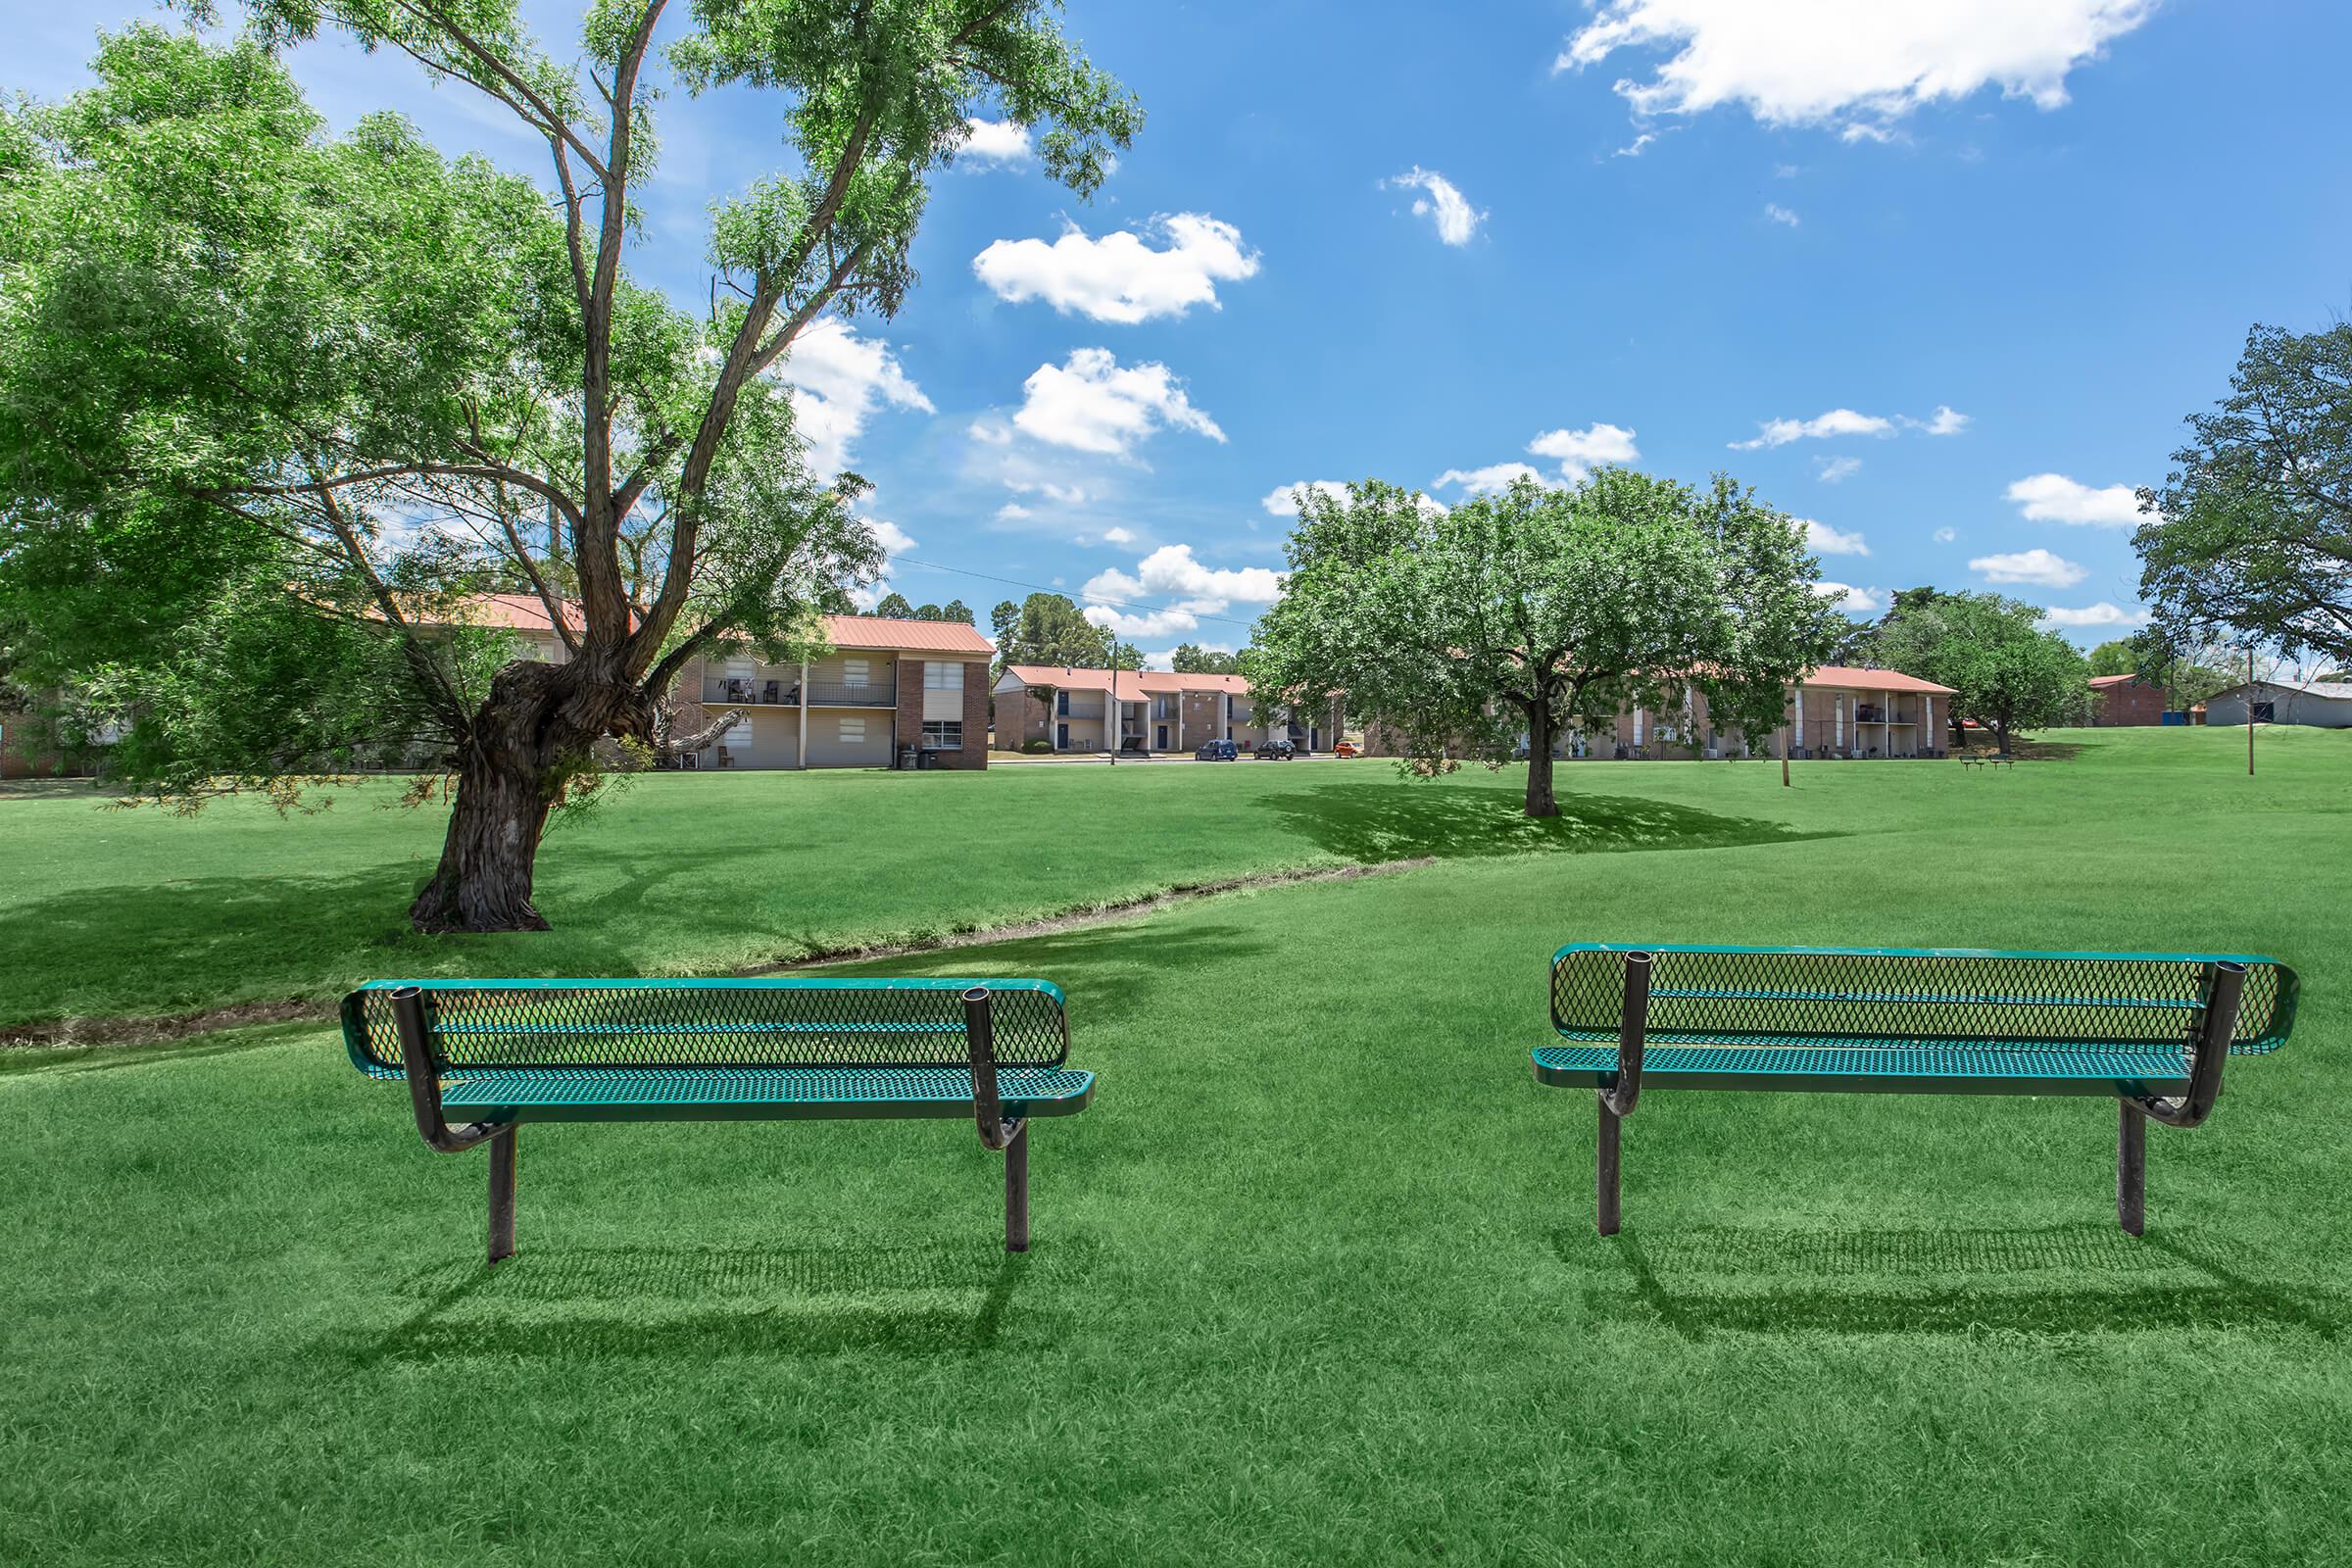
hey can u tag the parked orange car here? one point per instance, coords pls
(1346, 749)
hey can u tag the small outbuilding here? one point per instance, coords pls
(2125, 700)
(2321, 704)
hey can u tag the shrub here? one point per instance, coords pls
(1037, 748)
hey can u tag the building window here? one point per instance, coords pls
(940, 675)
(2265, 713)
(853, 728)
(853, 673)
(1061, 703)
(944, 733)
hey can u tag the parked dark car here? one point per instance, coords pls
(1275, 750)
(1217, 751)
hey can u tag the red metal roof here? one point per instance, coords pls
(2105, 681)
(913, 636)
(1873, 680)
(1142, 682)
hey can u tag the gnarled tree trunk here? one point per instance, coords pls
(1540, 731)
(514, 760)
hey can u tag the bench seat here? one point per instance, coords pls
(1873, 1066)
(737, 1094)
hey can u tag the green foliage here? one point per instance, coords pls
(2006, 672)
(2252, 537)
(1518, 614)
(1050, 630)
(894, 606)
(2116, 657)
(1189, 658)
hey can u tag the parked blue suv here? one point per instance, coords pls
(1217, 751)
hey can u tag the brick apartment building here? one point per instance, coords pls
(2118, 702)
(1156, 710)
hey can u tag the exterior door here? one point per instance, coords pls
(1061, 737)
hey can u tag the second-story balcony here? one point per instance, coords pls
(1076, 710)
(853, 694)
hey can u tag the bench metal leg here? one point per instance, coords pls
(1016, 1192)
(1604, 1182)
(2132, 1170)
(502, 1197)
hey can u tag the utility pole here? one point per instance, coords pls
(1110, 714)
(2249, 709)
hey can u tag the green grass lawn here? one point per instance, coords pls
(1315, 1280)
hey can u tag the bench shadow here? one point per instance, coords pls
(656, 1302)
(2055, 1281)
(1431, 819)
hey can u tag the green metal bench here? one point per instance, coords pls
(494, 1054)
(2151, 1030)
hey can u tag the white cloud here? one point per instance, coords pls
(1117, 536)
(1492, 479)
(838, 380)
(1946, 421)
(2054, 497)
(1119, 277)
(1854, 600)
(1863, 64)
(1836, 423)
(1824, 540)
(2102, 613)
(1836, 471)
(1444, 205)
(1014, 512)
(1282, 502)
(1775, 213)
(1092, 404)
(1171, 572)
(1069, 495)
(1945, 536)
(894, 540)
(996, 142)
(2036, 566)
(1581, 451)
(995, 432)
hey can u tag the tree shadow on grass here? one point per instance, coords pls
(1417, 820)
(2053, 1281)
(656, 1302)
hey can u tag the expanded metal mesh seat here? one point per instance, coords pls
(506, 1052)
(2151, 1029)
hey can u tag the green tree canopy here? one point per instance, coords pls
(2117, 657)
(241, 357)
(2006, 672)
(1052, 631)
(1516, 615)
(1191, 659)
(894, 606)
(2251, 537)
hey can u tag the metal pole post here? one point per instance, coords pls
(2132, 1170)
(1604, 1175)
(2249, 709)
(1016, 1192)
(502, 1197)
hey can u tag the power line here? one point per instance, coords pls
(1092, 599)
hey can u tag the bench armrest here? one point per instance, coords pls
(980, 1038)
(2209, 1035)
(1633, 1028)
(425, 1079)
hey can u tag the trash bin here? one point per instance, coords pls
(907, 757)
(922, 760)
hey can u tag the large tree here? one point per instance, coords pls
(2006, 672)
(1521, 614)
(2251, 533)
(1191, 659)
(251, 373)
(1051, 629)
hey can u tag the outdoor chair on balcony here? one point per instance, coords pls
(2151, 1031)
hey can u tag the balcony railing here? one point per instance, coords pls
(731, 690)
(1079, 711)
(864, 694)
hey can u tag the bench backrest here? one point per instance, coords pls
(713, 1024)
(1777, 995)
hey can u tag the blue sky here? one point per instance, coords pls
(1937, 277)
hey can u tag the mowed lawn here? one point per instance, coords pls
(1315, 1278)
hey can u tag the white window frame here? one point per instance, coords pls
(942, 742)
(943, 675)
(852, 727)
